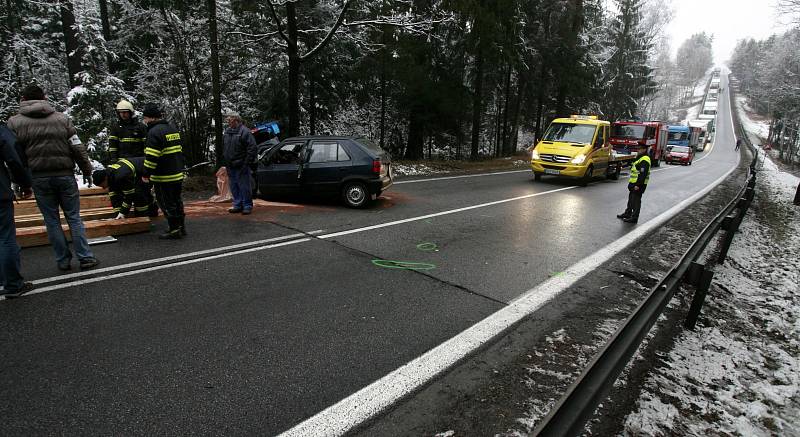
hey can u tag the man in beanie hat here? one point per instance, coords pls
(129, 195)
(163, 166)
(239, 152)
(51, 144)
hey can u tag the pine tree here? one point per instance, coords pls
(628, 76)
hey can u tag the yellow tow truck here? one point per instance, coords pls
(578, 147)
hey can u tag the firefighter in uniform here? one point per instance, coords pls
(637, 183)
(127, 141)
(163, 166)
(128, 135)
(126, 189)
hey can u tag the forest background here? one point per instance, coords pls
(435, 79)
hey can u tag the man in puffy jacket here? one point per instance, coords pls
(52, 147)
(164, 166)
(239, 152)
(12, 169)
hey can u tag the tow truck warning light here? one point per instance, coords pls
(583, 117)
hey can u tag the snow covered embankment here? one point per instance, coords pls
(738, 373)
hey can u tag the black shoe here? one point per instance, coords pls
(172, 234)
(235, 210)
(622, 216)
(26, 287)
(246, 211)
(88, 263)
(65, 266)
(630, 220)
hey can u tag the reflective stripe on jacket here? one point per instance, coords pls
(640, 171)
(123, 177)
(163, 153)
(127, 139)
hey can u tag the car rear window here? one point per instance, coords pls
(370, 145)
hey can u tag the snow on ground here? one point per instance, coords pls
(414, 170)
(758, 128)
(96, 165)
(738, 373)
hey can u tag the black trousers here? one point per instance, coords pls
(147, 205)
(168, 196)
(634, 201)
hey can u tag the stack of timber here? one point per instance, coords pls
(95, 211)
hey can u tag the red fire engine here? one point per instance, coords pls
(631, 136)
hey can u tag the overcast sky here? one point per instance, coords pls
(728, 20)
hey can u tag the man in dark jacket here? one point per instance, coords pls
(239, 152)
(129, 195)
(52, 147)
(164, 166)
(127, 136)
(126, 140)
(12, 169)
(637, 183)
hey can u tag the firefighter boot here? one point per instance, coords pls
(174, 232)
(182, 223)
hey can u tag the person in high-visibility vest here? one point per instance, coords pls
(637, 183)
(164, 166)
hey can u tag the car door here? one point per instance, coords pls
(601, 150)
(327, 163)
(278, 170)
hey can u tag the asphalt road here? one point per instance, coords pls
(255, 341)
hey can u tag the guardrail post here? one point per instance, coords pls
(699, 297)
(729, 224)
(693, 274)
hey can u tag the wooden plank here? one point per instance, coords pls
(37, 235)
(93, 191)
(27, 207)
(24, 221)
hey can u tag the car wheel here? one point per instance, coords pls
(587, 177)
(537, 176)
(616, 173)
(355, 194)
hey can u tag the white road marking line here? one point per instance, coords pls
(373, 399)
(238, 252)
(161, 267)
(437, 214)
(168, 258)
(460, 177)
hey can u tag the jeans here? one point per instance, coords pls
(242, 191)
(9, 250)
(62, 191)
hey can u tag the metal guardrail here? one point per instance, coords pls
(569, 416)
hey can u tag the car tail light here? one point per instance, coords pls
(376, 166)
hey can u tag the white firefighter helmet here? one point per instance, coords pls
(124, 105)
